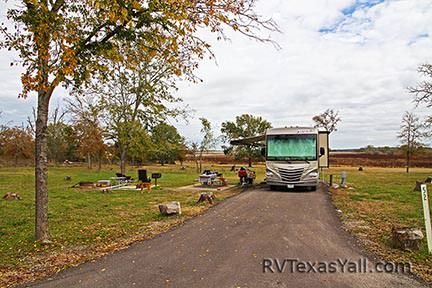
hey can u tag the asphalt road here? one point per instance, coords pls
(226, 247)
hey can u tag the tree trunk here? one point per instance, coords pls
(99, 161)
(196, 165)
(123, 162)
(41, 171)
(408, 160)
(250, 161)
(89, 163)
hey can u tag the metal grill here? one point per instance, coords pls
(291, 175)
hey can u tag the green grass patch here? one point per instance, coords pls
(87, 217)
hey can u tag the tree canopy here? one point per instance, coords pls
(244, 126)
(73, 42)
(167, 143)
(327, 120)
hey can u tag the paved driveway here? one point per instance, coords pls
(226, 247)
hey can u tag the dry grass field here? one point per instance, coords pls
(377, 200)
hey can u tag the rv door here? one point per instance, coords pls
(323, 142)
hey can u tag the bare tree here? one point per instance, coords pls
(31, 122)
(327, 120)
(208, 142)
(56, 138)
(423, 91)
(410, 135)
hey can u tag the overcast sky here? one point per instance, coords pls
(355, 56)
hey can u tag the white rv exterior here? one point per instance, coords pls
(294, 156)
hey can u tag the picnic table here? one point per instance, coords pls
(207, 179)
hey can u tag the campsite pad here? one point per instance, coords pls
(205, 187)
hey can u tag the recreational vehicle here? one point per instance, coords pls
(294, 155)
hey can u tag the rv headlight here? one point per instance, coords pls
(313, 174)
(269, 173)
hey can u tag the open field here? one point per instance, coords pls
(85, 224)
(380, 199)
(378, 159)
(348, 158)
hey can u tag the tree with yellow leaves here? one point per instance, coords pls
(67, 42)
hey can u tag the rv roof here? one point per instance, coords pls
(292, 130)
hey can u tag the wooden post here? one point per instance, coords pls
(426, 212)
(331, 179)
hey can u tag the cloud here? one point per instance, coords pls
(355, 56)
(361, 66)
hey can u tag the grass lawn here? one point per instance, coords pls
(85, 224)
(379, 199)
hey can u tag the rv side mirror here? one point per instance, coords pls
(322, 151)
(263, 151)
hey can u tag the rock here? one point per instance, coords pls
(408, 239)
(67, 178)
(170, 208)
(360, 169)
(338, 211)
(335, 186)
(206, 196)
(12, 196)
(351, 189)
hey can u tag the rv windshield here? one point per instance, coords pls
(292, 147)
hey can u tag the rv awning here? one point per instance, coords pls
(250, 141)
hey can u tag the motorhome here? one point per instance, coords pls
(294, 155)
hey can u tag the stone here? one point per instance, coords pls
(335, 186)
(170, 208)
(360, 169)
(407, 238)
(206, 196)
(12, 196)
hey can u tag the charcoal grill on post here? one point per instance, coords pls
(156, 176)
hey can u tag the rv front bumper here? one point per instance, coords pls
(308, 183)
